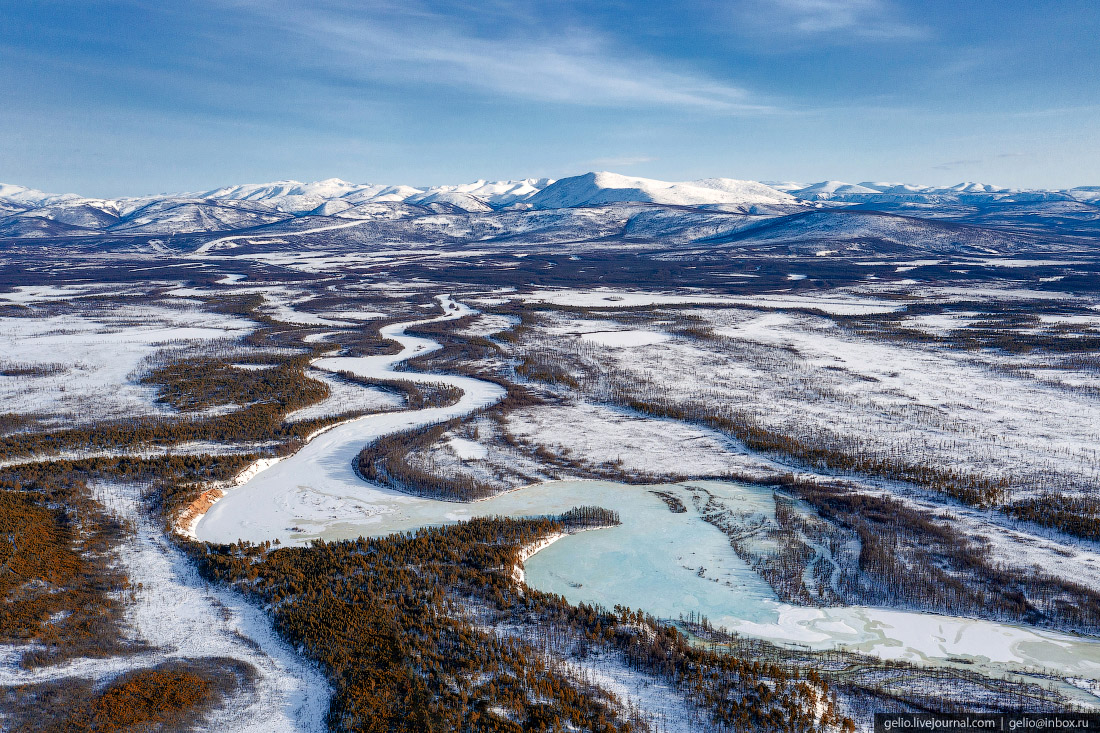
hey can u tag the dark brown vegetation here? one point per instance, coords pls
(11, 422)
(57, 584)
(173, 696)
(9, 369)
(367, 341)
(539, 370)
(195, 384)
(587, 517)
(58, 579)
(1075, 515)
(673, 502)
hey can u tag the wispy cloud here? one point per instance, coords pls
(621, 161)
(953, 164)
(867, 19)
(1057, 111)
(412, 43)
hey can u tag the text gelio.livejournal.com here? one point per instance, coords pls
(977, 723)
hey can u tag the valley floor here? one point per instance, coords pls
(893, 451)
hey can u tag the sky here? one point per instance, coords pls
(112, 98)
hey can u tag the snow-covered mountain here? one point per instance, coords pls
(29, 196)
(496, 193)
(593, 189)
(1085, 193)
(640, 208)
(297, 197)
(828, 189)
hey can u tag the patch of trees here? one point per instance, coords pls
(195, 384)
(11, 422)
(673, 502)
(173, 696)
(587, 517)
(1075, 515)
(13, 369)
(538, 370)
(368, 341)
(456, 348)
(58, 587)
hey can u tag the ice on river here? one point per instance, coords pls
(303, 496)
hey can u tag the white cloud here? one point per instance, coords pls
(869, 19)
(574, 66)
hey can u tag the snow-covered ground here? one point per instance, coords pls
(79, 366)
(625, 339)
(838, 302)
(487, 324)
(796, 373)
(806, 377)
(593, 433)
(181, 616)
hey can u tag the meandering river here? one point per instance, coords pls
(664, 563)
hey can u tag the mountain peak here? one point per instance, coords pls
(605, 187)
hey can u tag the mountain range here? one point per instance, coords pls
(721, 212)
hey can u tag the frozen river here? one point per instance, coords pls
(665, 563)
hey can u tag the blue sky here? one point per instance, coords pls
(112, 98)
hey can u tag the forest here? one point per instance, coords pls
(412, 656)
